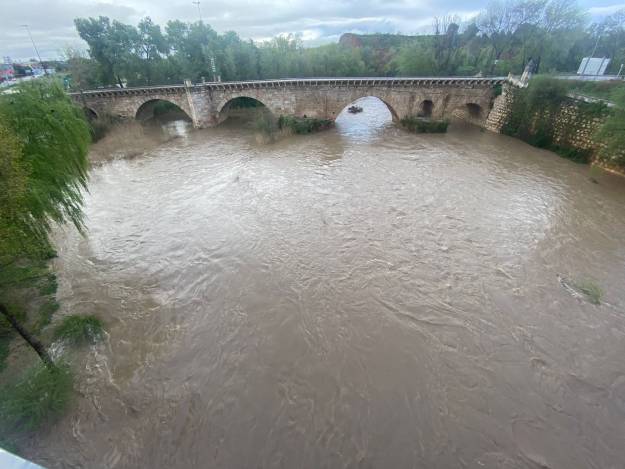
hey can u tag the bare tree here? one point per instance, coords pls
(498, 22)
(446, 30)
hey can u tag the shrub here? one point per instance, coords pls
(591, 290)
(265, 123)
(421, 125)
(545, 92)
(612, 133)
(40, 395)
(304, 125)
(79, 329)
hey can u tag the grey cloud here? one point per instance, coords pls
(51, 21)
(51, 24)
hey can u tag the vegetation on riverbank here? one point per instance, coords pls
(304, 125)
(534, 115)
(612, 133)
(608, 90)
(422, 125)
(499, 39)
(44, 140)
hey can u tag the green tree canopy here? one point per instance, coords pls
(43, 168)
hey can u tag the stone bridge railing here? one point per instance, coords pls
(298, 82)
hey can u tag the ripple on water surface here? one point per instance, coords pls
(363, 297)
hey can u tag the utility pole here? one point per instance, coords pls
(592, 54)
(36, 50)
(199, 12)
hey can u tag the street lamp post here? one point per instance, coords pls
(36, 50)
(199, 12)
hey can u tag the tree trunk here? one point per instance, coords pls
(30, 340)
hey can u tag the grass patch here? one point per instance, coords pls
(304, 125)
(422, 125)
(591, 290)
(596, 89)
(79, 330)
(40, 395)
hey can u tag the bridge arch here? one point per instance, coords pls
(90, 113)
(426, 108)
(342, 107)
(159, 106)
(470, 112)
(242, 102)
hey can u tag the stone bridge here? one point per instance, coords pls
(206, 104)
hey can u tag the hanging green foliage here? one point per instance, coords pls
(44, 140)
(48, 138)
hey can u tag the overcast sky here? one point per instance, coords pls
(319, 21)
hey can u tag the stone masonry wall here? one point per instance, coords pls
(572, 128)
(500, 112)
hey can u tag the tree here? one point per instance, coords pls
(43, 172)
(151, 44)
(84, 72)
(446, 41)
(501, 20)
(501, 39)
(111, 44)
(610, 36)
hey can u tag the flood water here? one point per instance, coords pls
(359, 298)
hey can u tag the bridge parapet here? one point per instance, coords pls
(300, 82)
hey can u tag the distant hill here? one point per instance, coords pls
(378, 41)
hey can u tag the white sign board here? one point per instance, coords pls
(593, 66)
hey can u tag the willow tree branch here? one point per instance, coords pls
(31, 340)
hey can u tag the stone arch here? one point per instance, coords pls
(426, 108)
(474, 110)
(240, 102)
(227, 102)
(343, 106)
(147, 109)
(470, 112)
(90, 113)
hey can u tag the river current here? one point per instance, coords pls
(358, 298)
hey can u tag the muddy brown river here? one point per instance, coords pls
(359, 298)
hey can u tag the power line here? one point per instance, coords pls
(36, 50)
